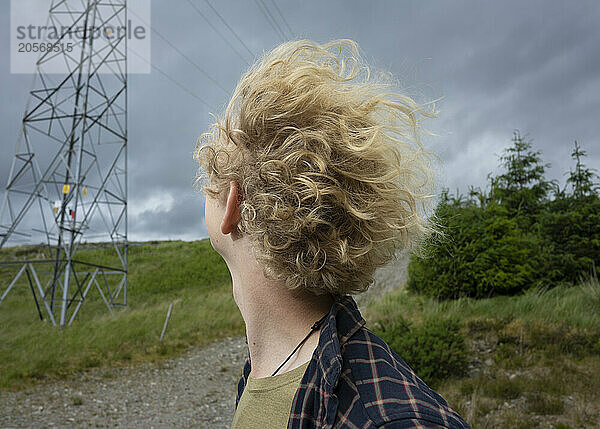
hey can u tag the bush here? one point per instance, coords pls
(485, 253)
(571, 226)
(435, 349)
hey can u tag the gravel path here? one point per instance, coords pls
(195, 390)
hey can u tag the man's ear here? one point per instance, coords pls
(232, 210)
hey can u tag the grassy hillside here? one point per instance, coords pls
(190, 274)
(531, 360)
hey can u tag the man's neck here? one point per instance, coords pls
(277, 319)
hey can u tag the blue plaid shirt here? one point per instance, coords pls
(354, 380)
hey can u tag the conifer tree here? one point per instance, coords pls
(571, 223)
(522, 188)
(582, 179)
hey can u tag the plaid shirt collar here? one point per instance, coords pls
(343, 320)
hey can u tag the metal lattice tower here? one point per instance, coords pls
(68, 181)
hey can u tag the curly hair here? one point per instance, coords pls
(333, 175)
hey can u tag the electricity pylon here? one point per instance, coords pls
(68, 181)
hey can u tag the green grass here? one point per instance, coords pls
(578, 307)
(190, 274)
(534, 358)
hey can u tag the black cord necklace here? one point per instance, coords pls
(314, 328)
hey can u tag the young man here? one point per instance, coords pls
(314, 177)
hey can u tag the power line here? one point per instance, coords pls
(176, 49)
(165, 74)
(273, 18)
(269, 17)
(229, 28)
(217, 31)
(283, 18)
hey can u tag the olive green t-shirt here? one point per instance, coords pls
(266, 402)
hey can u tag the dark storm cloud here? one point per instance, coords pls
(496, 66)
(531, 69)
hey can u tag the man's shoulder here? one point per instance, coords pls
(376, 380)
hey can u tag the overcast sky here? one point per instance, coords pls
(497, 66)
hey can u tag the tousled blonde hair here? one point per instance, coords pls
(332, 171)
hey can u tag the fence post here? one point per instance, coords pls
(166, 322)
